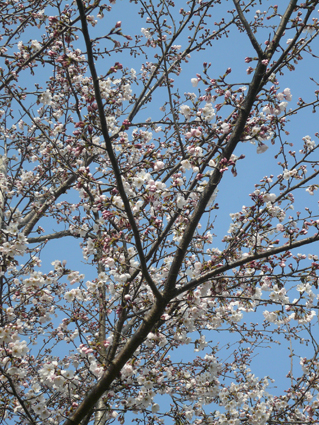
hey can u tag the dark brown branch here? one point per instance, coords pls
(117, 364)
(214, 179)
(250, 34)
(25, 64)
(222, 269)
(280, 62)
(301, 183)
(22, 403)
(254, 88)
(56, 235)
(36, 215)
(109, 148)
(3, 171)
(281, 28)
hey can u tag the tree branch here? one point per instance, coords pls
(273, 251)
(109, 148)
(281, 29)
(3, 171)
(36, 215)
(25, 64)
(250, 34)
(254, 88)
(56, 235)
(20, 400)
(117, 364)
(215, 178)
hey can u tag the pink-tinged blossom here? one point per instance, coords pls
(118, 202)
(70, 296)
(45, 98)
(67, 374)
(146, 33)
(311, 189)
(91, 20)
(48, 369)
(186, 164)
(269, 197)
(287, 174)
(212, 163)
(194, 82)
(180, 202)
(309, 29)
(155, 408)
(141, 179)
(270, 316)
(261, 148)
(288, 95)
(283, 106)
(35, 45)
(208, 112)
(308, 143)
(186, 111)
(159, 165)
(266, 110)
(19, 349)
(225, 127)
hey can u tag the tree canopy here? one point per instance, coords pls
(123, 149)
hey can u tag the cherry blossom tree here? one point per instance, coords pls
(165, 323)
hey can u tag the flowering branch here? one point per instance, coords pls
(249, 32)
(246, 260)
(146, 203)
(110, 152)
